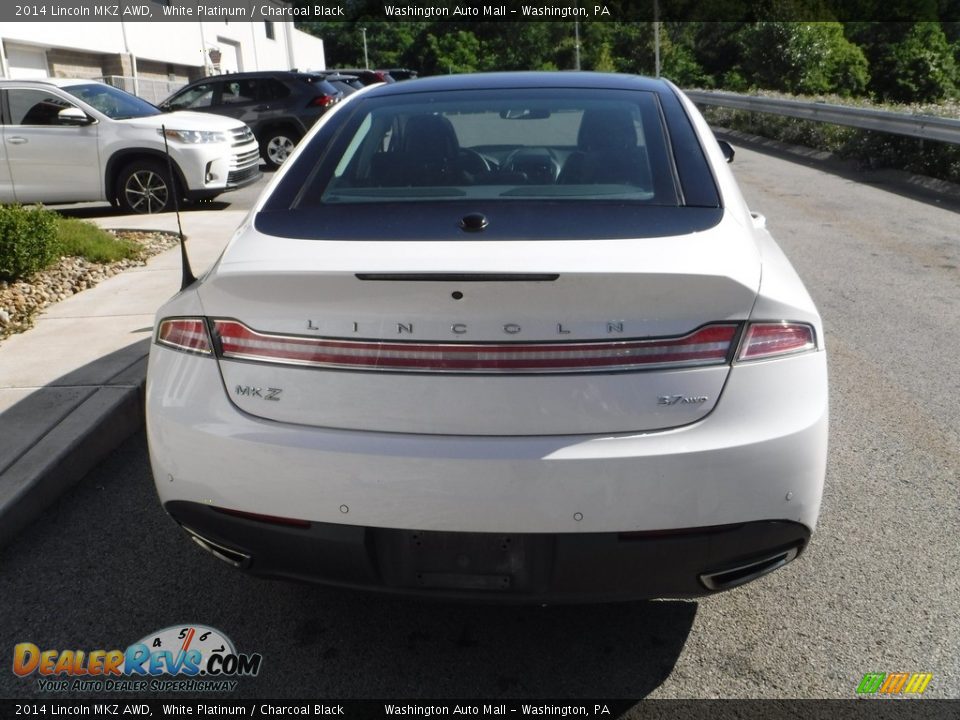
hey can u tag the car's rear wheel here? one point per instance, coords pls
(277, 146)
(145, 187)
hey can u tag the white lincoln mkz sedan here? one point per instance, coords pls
(506, 336)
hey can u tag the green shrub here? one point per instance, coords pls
(797, 57)
(28, 240)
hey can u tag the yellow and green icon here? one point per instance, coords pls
(900, 683)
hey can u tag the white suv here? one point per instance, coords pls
(79, 140)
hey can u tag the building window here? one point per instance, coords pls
(271, 34)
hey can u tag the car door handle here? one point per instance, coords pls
(16, 140)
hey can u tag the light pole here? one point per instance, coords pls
(366, 59)
(576, 42)
(656, 37)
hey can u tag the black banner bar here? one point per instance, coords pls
(469, 10)
(875, 709)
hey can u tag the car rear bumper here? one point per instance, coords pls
(759, 455)
(519, 567)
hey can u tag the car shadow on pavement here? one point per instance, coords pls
(53, 435)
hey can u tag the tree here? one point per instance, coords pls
(451, 52)
(802, 58)
(909, 61)
(922, 66)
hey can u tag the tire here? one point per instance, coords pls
(144, 186)
(277, 146)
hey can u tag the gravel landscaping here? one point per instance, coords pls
(22, 300)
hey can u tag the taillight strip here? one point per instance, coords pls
(707, 346)
(764, 340)
(187, 334)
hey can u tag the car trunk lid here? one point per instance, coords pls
(481, 338)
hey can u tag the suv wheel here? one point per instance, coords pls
(144, 186)
(277, 146)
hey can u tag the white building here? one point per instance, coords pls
(152, 59)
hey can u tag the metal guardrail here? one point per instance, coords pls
(928, 127)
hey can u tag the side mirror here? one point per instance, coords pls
(73, 116)
(727, 150)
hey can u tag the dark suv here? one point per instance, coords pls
(278, 106)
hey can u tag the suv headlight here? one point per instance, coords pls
(193, 137)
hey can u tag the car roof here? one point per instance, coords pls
(253, 74)
(524, 80)
(56, 82)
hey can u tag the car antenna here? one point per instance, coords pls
(186, 275)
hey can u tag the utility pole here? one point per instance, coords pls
(656, 37)
(576, 42)
(366, 59)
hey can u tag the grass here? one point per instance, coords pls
(86, 240)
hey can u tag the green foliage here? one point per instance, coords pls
(32, 239)
(452, 52)
(922, 65)
(603, 61)
(84, 239)
(28, 240)
(802, 58)
(677, 59)
(909, 62)
(903, 61)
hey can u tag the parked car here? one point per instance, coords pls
(278, 106)
(78, 140)
(510, 336)
(399, 74)
(367, 77)
(347, 84)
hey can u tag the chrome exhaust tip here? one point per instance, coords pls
(733, 577)
(232, 557)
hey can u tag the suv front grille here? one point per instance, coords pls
(237, 176)
(243, 160)
(241, 136)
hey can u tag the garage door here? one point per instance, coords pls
(25, 62)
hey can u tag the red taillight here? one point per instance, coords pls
(764, 340)
(187, 334)
(271, 519)
(709, 345)
(323, 101)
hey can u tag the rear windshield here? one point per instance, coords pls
(515, 145)
(533, 163)
(320, 83)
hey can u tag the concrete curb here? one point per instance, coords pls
(70, 449)
(73, 385)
